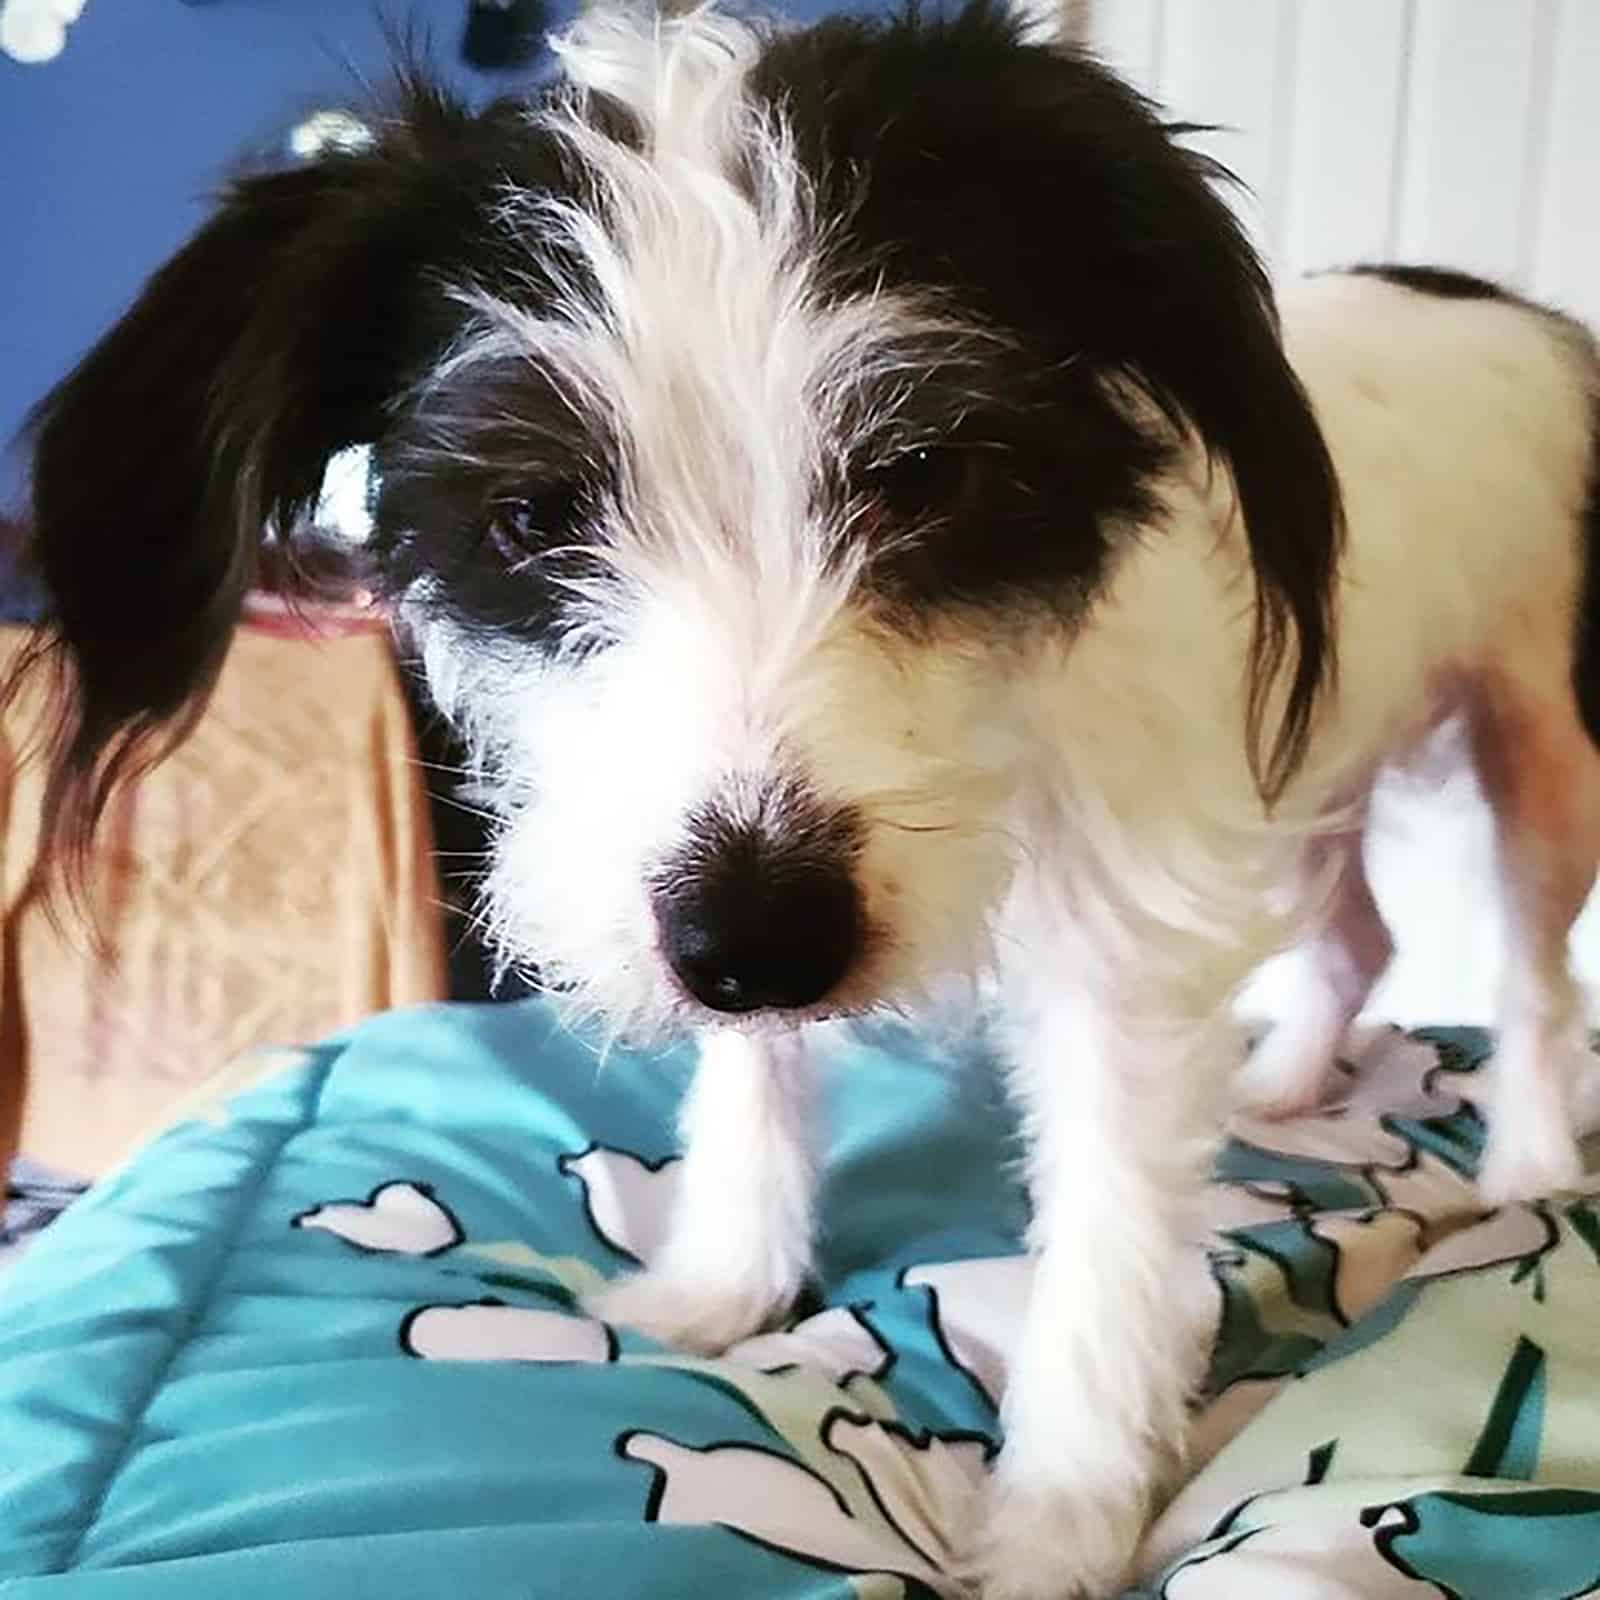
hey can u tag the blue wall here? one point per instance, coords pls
(107, 153)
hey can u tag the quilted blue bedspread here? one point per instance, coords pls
(323, 1339)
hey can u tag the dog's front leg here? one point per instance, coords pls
(1122, 1116)
(738, 1242)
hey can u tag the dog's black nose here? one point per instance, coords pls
(743, 934)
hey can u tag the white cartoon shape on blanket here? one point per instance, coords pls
(1311, 1558)
(1242, 1205)
(1392, 1075)
(491, 1331)
(628, 1199)
(397, 1219)
(977, 1313)
(1514, 1233)
(35, 31)
(895, 1515)
(1268, 1460)
(836, 1342)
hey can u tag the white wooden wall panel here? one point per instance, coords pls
(1223, 62)
(1347, 107)
(1473, 134)
(1128, 35)
(1566, 240)
(1462, 132)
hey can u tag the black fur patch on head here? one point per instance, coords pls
(1039, 193)
(996, 481)
(489, 480)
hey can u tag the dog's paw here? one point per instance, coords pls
(698, 1315)
(1033, 1544)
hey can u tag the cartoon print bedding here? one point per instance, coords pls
(323, 1339)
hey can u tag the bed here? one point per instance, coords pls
(322, 1337)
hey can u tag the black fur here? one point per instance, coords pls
(1445, 283)
(1040, 190)
(999, 483)
(281, 333)
(1586, 652)
(455, 463)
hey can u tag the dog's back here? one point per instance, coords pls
(1464, 423)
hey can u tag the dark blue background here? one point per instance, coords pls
(108, 153)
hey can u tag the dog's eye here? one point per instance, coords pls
(534, 520)
(922, 482)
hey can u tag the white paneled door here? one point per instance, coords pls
(1461, 132)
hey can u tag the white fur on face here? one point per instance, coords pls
(620, 750)
(714, 648)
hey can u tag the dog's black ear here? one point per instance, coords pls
(1035, 184)
(1210, 354)
(205, 418)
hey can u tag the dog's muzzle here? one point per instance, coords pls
(762, 915)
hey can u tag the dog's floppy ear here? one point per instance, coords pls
(1036, 184)
(207, 414)
(1210, 354)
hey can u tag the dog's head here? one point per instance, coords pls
(744, 409)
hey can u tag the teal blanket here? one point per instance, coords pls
(323, 1340)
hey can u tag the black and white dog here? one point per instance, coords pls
(853, 490)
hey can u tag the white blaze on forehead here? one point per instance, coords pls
(696, 241)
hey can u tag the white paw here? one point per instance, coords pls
(695, 1314)
(1516, 1168)
(1041, 1544)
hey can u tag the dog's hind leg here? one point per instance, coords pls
(1541, 774)
(1333, 974)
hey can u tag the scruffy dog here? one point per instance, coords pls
(853, 490)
